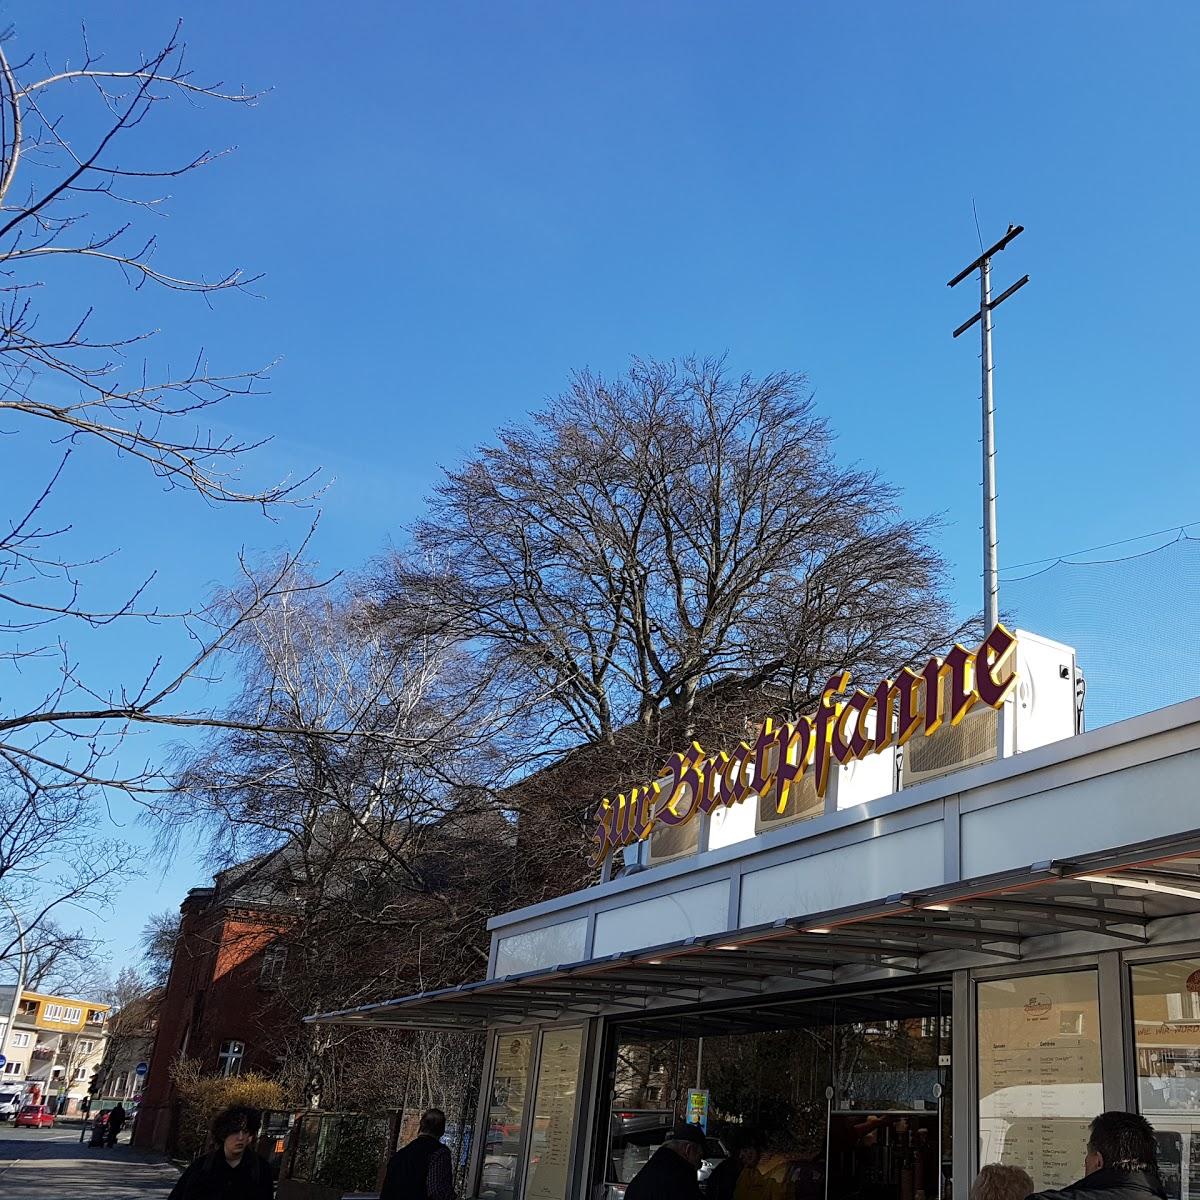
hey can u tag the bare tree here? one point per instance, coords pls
(81, 382)
(354, 786)
(64, 962)
(75, 204)
(159, 935)
(665, 556)
(646, 538)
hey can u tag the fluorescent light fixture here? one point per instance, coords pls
(729, 947)
(1142, 885)
(654, 962)
(936, 907)
(818, 930)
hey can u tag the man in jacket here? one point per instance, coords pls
(422, 1170)
(1121, 1162)
(671, 1172)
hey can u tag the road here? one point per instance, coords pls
(52, 1164)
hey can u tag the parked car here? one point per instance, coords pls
(36, 1116)
(10, 1105)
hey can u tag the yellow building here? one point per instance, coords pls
(54, 1046)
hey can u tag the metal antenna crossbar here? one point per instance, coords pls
(983, 264)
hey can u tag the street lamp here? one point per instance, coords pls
(16, 1000)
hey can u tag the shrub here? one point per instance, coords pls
(204, 1096)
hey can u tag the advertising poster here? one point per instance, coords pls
(697, 1108)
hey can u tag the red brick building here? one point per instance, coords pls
(221, 1006)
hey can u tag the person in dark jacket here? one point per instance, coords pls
(117, 1117)
(422, 1170)
(232, 1171)
(1121, 1162)
(671, 1172)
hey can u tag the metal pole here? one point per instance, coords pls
(16, 1000)
(991, 580)
(991, 584)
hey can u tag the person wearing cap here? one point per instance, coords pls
(671, 1172)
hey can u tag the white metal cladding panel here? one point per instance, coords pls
(1142, 802)
(904, 861)
(562, 943)
(690, 913)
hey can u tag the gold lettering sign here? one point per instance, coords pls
(693, 782)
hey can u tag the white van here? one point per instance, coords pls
(9, 1103)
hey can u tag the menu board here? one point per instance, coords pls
(1040, 1080)
(547, 1171)
(509, 1081)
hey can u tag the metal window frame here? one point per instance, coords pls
(1113, 1076)
(485, 1106)
(537, 1034)
(1131, 959)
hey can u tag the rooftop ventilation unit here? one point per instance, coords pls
(1041, 709)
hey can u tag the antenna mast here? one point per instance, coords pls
(983, 264)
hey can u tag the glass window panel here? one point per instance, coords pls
(546, 1172)
(510, 1078)
(1040, 1080)
(1166, 1038)
(888, 1050)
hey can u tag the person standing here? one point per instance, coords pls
(117, 1117)
(232, 1171)
(671, 1172)
(1121, 1162)
(421, 1170)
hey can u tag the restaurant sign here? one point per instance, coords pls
(846, 726)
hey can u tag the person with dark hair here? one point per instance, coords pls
(671, 1173)
(232, 1171)
(1121, 1162)
(422, 1170)
(117, 1116)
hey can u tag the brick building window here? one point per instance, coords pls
(274, 963)
(229, 1061)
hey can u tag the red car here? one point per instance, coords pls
(38, 1116)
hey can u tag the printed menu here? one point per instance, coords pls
(1040, 1079)
(554, 1115)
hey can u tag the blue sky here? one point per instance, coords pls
(454, 205)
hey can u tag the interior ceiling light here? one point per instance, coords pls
(819, 929)
(936, 907)
(1142, 885)
(729, 947)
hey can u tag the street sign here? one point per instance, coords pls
(3, 1060)
(141, 1068)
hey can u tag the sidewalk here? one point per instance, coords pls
(52, 1164)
